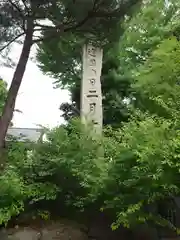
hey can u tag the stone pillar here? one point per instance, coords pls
(91, 95)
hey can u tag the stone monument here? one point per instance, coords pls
(91, 95)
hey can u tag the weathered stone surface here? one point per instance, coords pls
(91, 96)
(3, 235)
(24, 234)
(61, 231)
(69, 230)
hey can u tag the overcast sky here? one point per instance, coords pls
(37, 99)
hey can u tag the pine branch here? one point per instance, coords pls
(12, 41)
(43, 26)
(17, 8)
(25, 6)
(60, 28)
(19, 11)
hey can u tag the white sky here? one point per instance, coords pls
(37, 99)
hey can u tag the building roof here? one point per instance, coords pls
(24, 134)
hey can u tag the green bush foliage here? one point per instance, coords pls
(18, 184)
(125, 171)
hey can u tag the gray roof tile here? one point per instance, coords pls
(23, 134)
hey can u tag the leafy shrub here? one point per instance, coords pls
(125, 171)
(144, 170)
(18, 189)
(64, 167)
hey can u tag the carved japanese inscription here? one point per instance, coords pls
(91, 96)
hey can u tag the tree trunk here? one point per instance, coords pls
(8, 109)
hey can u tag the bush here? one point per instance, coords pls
(18, 186)
(144, 170)
(64, 168)
(123, 172)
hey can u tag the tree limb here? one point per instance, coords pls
(60, 28)
(17, 8)
(122, 9)
(25, 6)
(43, 26)
(19, 11)
(97, 3)
(10, 42)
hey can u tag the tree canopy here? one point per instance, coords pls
(141, 158)
(139, 168)
(43, 21)
(148, 26)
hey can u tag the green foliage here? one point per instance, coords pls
(51, 170)
(27, 175)
(18, 186)
(142, 159)
(3, 93)
(144, 169)
(43, 21)
(90, 19)
(70, 154)
(158, 80)
(151, 25)
(125, 171)
(114, 87)
(140, 35)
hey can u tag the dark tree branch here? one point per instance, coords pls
(121, 11)
(25, 6)
(43, 26)
(55, 31)
(17, 8)
(12, 41)
(60, 28)
(23, 17)
(38, 29)
(97, 3)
